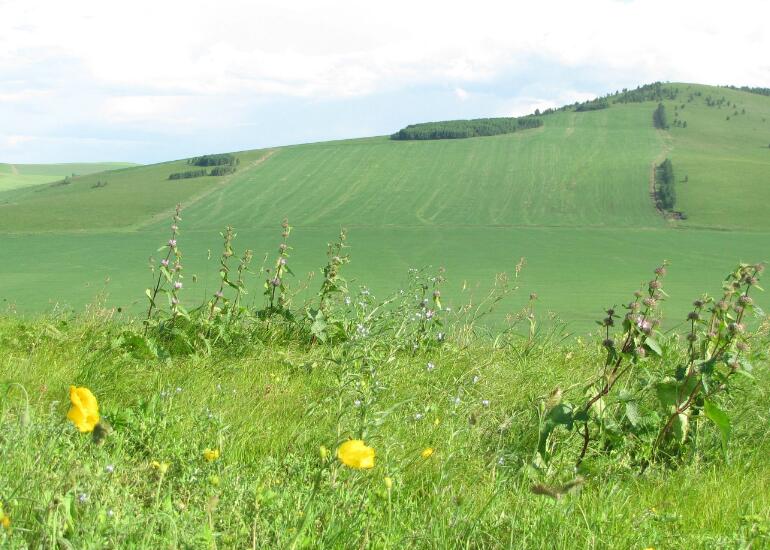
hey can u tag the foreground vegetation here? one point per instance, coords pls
(352, 420)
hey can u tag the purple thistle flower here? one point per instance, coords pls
(276, 282)
(172, 243)
(177, 285)
(164, 262)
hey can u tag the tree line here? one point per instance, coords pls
(593, 105)
(659, 118)
(459, 129)
(665, 194)
(223, 159)
(216, 171)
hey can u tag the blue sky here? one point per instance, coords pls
(152, 81)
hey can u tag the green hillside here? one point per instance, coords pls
(572, 196)
(14, 176)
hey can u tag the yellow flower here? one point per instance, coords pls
(211, 454)
(388, 483)
(5, 521)
(437, 422)
(84, 412)
(426, 453)
(162, 467)
(356, 454)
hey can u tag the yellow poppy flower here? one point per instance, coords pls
(426, 453)
(84, 412)
(211, 454)
(162, 467)
(356, 454)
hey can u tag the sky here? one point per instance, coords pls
(148, 81)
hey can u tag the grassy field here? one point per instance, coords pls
(576, 274)
(492, 424)
(727, 162)
(454, 428)
(572, 197)
(14, 176)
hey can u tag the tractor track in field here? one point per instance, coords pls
(202, 195)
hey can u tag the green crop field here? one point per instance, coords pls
(572, 197)
(14, 176)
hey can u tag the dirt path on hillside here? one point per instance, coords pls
(667, 147)
(202, 195)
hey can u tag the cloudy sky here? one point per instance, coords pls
(146, 81)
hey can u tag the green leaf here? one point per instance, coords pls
(561, 414)
(667, 392)
(652, 343)
(632, 413)
(720, 420)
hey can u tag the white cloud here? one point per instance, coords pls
(156, 63)
(15, 141)
(323, 49)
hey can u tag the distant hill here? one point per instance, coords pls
(14, 176)
(576, 195)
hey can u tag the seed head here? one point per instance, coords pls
(693, 316)
(660, 271)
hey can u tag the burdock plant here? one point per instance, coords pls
(275, 286)
(648, 407)
(323, 324)
(169, 279)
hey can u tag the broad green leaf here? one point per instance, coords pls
(632, 413)
(720, 420)
(652, 343)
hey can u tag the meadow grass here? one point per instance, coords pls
(276, 408)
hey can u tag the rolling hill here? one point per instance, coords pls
(14, 176)
(572, 196)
